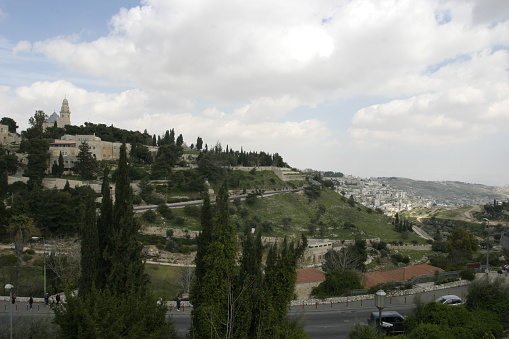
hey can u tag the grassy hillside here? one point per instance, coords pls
(332, 215)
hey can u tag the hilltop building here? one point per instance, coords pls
(69, 145)
(8, 138)
(60, 120)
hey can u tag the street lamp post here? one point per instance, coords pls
(9, 288)
(44, 258)
(487, 246)
(380, 304)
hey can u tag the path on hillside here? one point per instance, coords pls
(417, 230)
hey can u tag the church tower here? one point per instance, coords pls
(65, 114)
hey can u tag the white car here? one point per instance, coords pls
(450, 299)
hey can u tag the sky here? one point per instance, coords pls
(370, 88)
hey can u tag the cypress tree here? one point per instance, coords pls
(89, 244)
(127, 270)
(61, 167)
(124, 307)
(247, 301)
(172, 137)
(214, 313)
(105, 233)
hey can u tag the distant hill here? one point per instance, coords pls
(448, 192)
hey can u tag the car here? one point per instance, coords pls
(450, 299)
(392, 322)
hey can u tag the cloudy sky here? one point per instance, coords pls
(416, 89)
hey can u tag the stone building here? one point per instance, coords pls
(7, 138)
(69, 145)
(60, 120)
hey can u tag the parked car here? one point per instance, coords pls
(392, 322)
(450, 299)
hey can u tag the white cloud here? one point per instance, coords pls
(466, 101)
(246, 73)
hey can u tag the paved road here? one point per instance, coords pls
(139, 209)
(336, 320)
(320, 320)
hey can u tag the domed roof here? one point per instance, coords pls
(52, 118)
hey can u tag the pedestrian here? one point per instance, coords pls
(46, 298)
(30, 302)
(58, 299)
(13, 298)
(178, 303)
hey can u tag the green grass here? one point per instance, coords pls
(162, 278)
(300, 209)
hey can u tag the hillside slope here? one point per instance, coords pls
(448, 192)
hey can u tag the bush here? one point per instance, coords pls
(29, 251)
(363, 332)
(337, 283)
(137, 200)
(165, 211)
(8, 260)
(467, 274)
(150, 216)
(180, 220)
(192, 211)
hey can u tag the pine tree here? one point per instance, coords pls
(86, 165)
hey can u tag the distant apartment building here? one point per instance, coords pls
(69, 145)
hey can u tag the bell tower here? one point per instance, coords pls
(65, 114)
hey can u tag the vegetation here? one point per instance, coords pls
(247, 301)
(113, 298)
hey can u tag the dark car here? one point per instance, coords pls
(392, 322)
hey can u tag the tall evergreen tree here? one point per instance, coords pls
(250, 301)
(172, 137)
(199, 143)
(180, 140)
(127, 270)
(86, 165)
(105, 234)
(89, 244)
(124, 307)
(215, 312)
(61, 167)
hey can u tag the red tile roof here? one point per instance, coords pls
(309, 275)
(402, 274)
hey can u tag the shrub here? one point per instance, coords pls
(8, 260)
(29, 251)
(180, 220)
(467, 274)
(165, 211)
(192, 211)
(137, 199)
(337, 283)
(150, 216)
